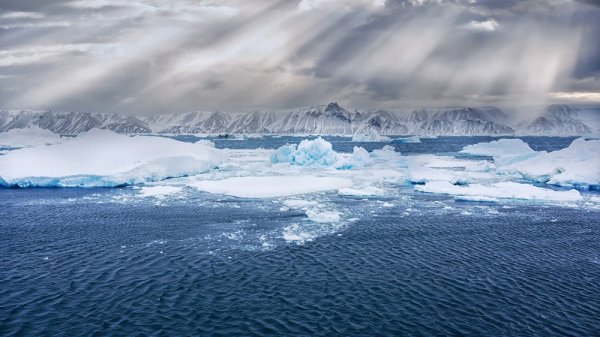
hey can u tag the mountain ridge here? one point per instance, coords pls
(555, 120)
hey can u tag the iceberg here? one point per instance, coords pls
(504, 151)
(28, 137)
(575, 166)
(499, 190)
(308, 152)
(271, 186)
(407, 140)
(372, 136)
(578, 165)
(102, 158)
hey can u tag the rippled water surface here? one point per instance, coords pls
(77, 262)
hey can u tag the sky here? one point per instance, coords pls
(161, 56)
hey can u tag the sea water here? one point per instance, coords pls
(77, 262)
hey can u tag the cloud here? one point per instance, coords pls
(577, 96)
(489, 25)
(150, 56)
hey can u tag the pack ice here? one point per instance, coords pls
(104, 158)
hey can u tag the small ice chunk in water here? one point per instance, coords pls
(298, 203)
(323, 217)
(159, 192)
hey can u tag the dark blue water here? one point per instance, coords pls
(78, 262)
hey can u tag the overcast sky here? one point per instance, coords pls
(154, 56)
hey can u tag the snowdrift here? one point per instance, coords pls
(101, 158)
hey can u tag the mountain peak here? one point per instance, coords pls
(333, 107)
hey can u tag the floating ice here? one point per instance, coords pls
(504, 151)
(407, 140)
(372, 136)
(369, 191)
(323, 217)
(308, 152)
(298, 203)
(104, 158)
(503, 190)
(577, 165)
(272, 186)
(159, 192)
(27, 137)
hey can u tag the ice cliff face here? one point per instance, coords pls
(329, 119)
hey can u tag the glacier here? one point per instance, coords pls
(104, 158)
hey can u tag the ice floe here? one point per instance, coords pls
(104, 158)
(500, 190)
(271, 186)
(578, 165)
(504, 151)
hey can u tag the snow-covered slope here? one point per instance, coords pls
(330, 119)
(557, 120)
(70, 123)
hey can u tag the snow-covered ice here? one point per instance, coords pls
(504, 151)
(27, 137)
(104, 158)
(271, 186)
(501, 190)
(575, 166)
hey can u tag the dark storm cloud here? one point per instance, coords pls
(149, 56)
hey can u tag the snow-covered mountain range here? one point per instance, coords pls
(323, 119)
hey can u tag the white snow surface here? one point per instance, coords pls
(504, 151)
(271, 186)
(577, 165)
(27, 137)
(104, 158)
(502, 190)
